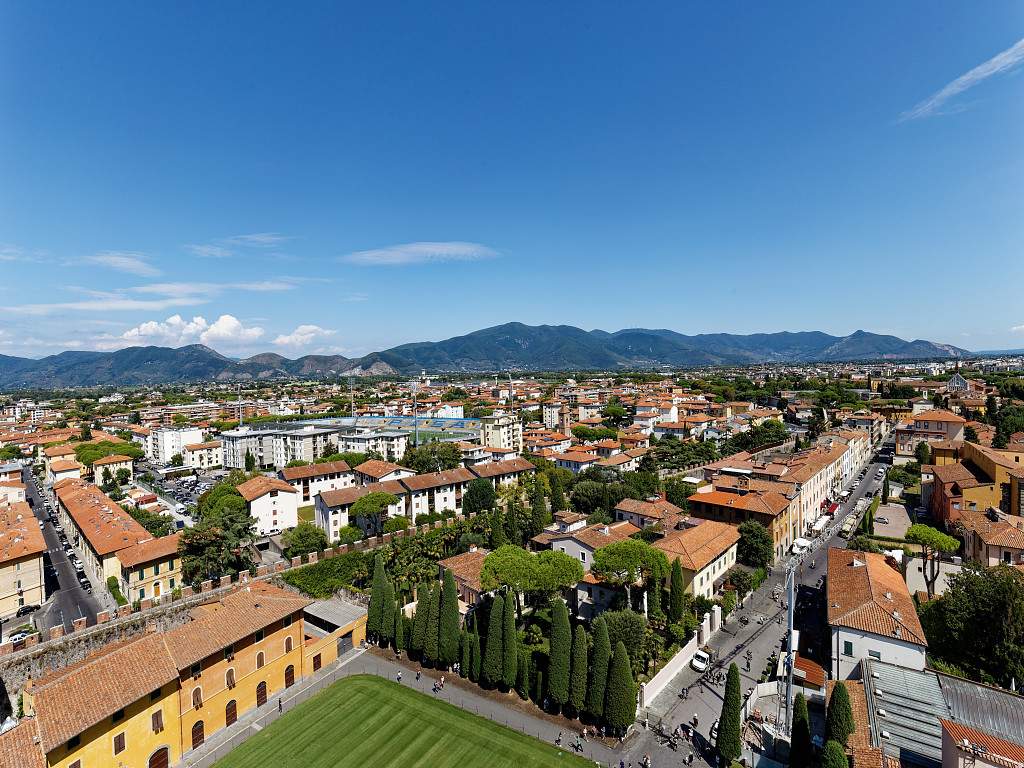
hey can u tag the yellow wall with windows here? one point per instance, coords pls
(212, 679)
(96, 744)
(327, 647)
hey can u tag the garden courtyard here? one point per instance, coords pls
(366, 720)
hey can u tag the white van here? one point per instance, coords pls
(700, 661)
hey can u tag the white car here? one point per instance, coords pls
(17, 637)
(700, 661)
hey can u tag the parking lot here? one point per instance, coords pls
(892, 520)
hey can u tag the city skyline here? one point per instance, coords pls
(326, 181)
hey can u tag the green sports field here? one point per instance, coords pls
(368, 721)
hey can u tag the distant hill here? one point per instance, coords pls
(512, 346)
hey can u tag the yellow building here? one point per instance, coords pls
(150, 569)
(21, 558)
(982, 478)
(148, 702)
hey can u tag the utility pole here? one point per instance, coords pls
(415, 416)
(351, 399)
(241, 413)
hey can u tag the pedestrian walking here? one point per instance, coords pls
(417, 675)
(442, 681)
(558, 739)
(399, 675)
(280, 706)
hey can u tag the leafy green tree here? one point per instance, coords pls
(615, 416)
(373, 508)
(677, 593)
(498, 537)
(509, 644)
(627, 627)
(523, 673)
(479, 497)
(349, 534)
(375, 611)
(466, 658)
(839, 725)
(677, 492)
(399, 633)
(538, 687)
(475, 659)
(221, 543)
(250, 461)
(578, 670)
(85, 433)
(553, 573)
(539, 516)
(971, 434)
(511, 567)
(834, 756)
(589, 496)
(600, 659)
(885, 488)
(303, 539)
(387, 614)
(493, 666)
(431, 639)
(620, 692)
(728, 744)
(448, 639)
(934, 543)
(923, 453)
(557, 495)
(801, 753)
(755, 547)
(419, 620)
(628, 561)
(123, 476)
(560, 653)
(432, 457)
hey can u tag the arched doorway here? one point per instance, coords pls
(160, 759)
(198, 735)
(261, 694)
(289, 676)
(230, 713)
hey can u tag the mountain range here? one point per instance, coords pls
(512, 346)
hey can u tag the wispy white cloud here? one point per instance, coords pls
(112, 304)
(11, 252)
(1017, 329)
(175, 331)
(303, 335)
(420, 253)
(132, 262)
(215, 289)
(258, 240)
(998, 64)
(208, 250)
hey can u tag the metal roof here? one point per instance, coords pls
(912, 703)
(335, 611)
(988, 709)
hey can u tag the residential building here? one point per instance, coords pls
(389, 443)
(466, 568)
(166, 442)
(576, 461)
(870, 614)
(56, 453)
(150, 569)
(504, 472)
(772, 510)
(643, 514)
(436, 492)
(272, 502)
(377, 471)
(592, 596)
(63, 469)
(333, 507)
(502, 431)
(705, 549)
(311, 479)
(203, 456)
(112, 464)
(992, 537)
(928, 426)
(21, 558)
(983, 478)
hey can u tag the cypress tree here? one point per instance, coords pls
(599, 668)
(620, 698)
(430, 639)
(399, 638)
(466, 661)
(561, 650)
(677, 593)
(509, 643)
(557, 496)
(839, 715)
(538, 511)
(834, 756)
(374, 611)
(448, 638)
(491, 673)
(728, 744)
(654, 611)
(498, 538)
(475, 659)
(578, 673)
(513, 529)
(387, 614)
(800, 753)
(523, 673)
(419, 621)
(538, 688)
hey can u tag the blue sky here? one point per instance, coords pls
(344, 178)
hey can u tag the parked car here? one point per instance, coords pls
(700, 661)
(25, 610)
(17, 637)
(882, 520)
(714, 730)
(84, 581)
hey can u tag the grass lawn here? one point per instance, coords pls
(306, 513)
(368, 721)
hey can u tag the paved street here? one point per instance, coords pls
(67, 600)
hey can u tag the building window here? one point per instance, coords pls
(117, 716)
(197, 698)
(158, 721)
(76, 764)
(73, 742)
(229, 678)
(876, 655)
(260, 660)
(257, 636)
(288, 644)
(287, 621)
(155, 694)
(229, 652)
(119, 744)
(196, 670)
(847, 648)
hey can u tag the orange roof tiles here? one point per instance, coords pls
(698, 545)
(148, 551)
(378, 469)
(103, 523)
(315, 470)
(262, 485)
(19, 532)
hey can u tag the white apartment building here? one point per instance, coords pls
(272, 503)
(164, 442)
(389, 443)
(203, 456)
(311, 480)
(504, 431)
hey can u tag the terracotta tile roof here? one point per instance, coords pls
(112, 459)
(466, 567)
(315, 470)
(262, 485)
(76, 697)
(599, 535)
(499, 468)
(939, 415)
(1001, 533)
(861, 736)
(345, 496)
(64, 465)
(653, 510)
(18, 748)
(58, 450)
(867, 594)
(215, 626)
(697, 545)
(577, 457)
(103, 523)
(437, 479)
(202, 446)
(997, 750)
(378, 469)
(19, 532)
(814, 673)
(958, 473)
(769, 503)
(148, 551)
